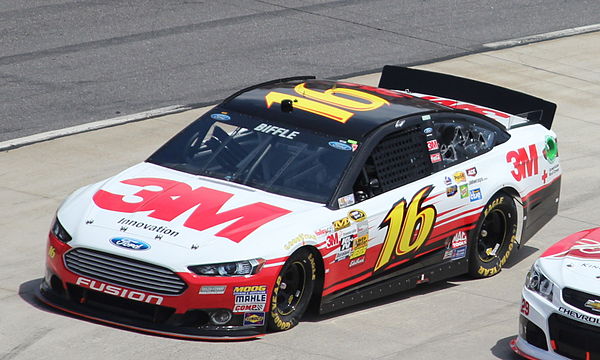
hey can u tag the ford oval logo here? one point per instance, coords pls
(220, 117)
(340, 146)
(128, 243)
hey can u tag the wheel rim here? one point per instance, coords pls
(291, 288)
(491, 236)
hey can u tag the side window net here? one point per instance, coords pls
(401, 158)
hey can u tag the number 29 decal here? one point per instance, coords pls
(328, 103)
(408, 227)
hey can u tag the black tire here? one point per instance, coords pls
(293, 290)
(494, 237)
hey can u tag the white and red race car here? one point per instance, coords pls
(560, 305)
(303, 192)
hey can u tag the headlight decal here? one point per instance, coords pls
(59, 231)
(537, 282)
(236, 268)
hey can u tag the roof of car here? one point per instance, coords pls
(340, 108)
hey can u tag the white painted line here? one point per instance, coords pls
(541, 37)
(49, 135)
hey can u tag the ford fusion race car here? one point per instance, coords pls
(300, 192)
(560, 306)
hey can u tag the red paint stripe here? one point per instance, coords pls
(433, 197)
(448, 233)
(451, 210)
(351, 282)
(455, 217)
(533, 192)
(515, 348)
(345, 284)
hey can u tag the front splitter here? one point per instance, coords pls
(189, 333)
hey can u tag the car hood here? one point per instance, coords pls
(178, 215)
(574, 262)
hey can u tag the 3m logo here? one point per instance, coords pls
(525, 163)
(167, 199)
(333, 240)
(408, 227)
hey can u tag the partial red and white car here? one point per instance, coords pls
(560, 306)
(301, 192)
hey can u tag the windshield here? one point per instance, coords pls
(271, 157)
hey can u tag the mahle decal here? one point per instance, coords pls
(408, 227)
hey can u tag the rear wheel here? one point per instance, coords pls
(494, 237)
(293, 290)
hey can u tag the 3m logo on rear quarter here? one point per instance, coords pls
(173, 198)
(525, 162)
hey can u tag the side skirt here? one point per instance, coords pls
(395, 285)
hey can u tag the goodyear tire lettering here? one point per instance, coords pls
(504, 207)
(288, 304)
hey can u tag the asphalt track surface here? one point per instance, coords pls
(65, 63)
(458, 319)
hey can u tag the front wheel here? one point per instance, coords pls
(293, 290)
(494, 237)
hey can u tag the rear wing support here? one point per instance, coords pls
(467, 90)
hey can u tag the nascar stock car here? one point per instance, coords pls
(560, 305)
(304, 194)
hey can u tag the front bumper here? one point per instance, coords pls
(556, 331)
(189, 314)
(172, 328)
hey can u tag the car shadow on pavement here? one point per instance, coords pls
(27, 291)
(523, 253)
(503, 351)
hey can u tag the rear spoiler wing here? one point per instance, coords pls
(467, 90)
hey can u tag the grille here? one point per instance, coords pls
(573, 339)
(579, 298)
(123, 271)
(532, 333)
